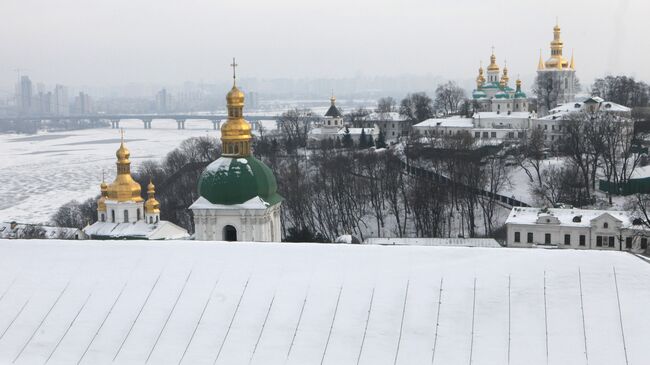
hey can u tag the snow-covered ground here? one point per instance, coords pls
(195, 302)
(39, 173)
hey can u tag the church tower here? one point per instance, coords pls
(123, 214)
(238, 193)
(558, 76)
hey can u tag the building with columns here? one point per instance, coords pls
(238, 193)
(122, 213)
(557, 77)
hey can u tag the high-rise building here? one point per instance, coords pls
(60, 102)
(24, 91)
(83, 104)
(163, 101)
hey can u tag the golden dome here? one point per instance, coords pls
(236, 132)
(101, 203)
(235, 96)
(152, 205)
(493, 63)
(124, 188)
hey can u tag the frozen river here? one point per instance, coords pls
(39, 173)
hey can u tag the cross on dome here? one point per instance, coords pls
(234, 70)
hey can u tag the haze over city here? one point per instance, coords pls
(107, 43)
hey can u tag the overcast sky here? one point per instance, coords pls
(99, 42)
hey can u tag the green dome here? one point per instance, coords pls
(520, 94)
(236, 180)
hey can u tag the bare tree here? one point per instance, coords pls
(386, 105)
(622, 90)
(448, 97)
(531, 155)
(416, 107)
(295, 124)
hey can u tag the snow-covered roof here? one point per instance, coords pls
(390, 116)
(460, 242)
(494, 115)
(453, 122)
(578, 106)
(13, 230)
(357, 131)
(641, 172)
(567, 217)
(137, 230)
(238, 303)
(253, 203)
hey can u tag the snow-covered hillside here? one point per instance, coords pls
(194, 303)
(40, 173)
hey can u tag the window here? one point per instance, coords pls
(103, 218)
(157, 219)
(605, 225)
(644, 243)
(138, 214)
(545, 126)
(493, 135)
(547, 238)
(229, 233)
(628, 242)
(126, 216)
(611, 240)
(530, 237)
(150, 220)
(329, 122)
(113, 216)
(485, 134)
(553, 127)
(567, 239)
(599, 241)
(520, 134)
(477, 134)
(517, 237)
(582, 240)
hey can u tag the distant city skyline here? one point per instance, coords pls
(74, 42)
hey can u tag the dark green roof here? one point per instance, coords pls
(235, 180)
(520, 94)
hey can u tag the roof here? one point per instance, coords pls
(566, 217)
(495, 115)
(390, 116)
(641, 172)
(333, 112)
(227, 303)
(459, 242)
(454, 122)
(253, 203)
(577, 106)
(356, 131)
(136, 230)
(22, 230)
(237, 180)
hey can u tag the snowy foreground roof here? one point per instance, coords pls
(193, 303)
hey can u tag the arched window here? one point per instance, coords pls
(103, 218)
(113, 216)
(126, 216)
(138, 213)
(605, 225)
(229, 233)
(157, 219)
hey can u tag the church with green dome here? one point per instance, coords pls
(238, 193)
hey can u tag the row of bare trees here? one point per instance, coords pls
(593, 145)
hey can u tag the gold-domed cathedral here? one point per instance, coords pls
(122, 213)
(494, 93)
(238, 193)
(558, 72)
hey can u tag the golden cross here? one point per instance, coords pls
(234, 70)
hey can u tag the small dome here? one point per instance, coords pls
(235, 97)
(231, 181)
(501, 95)
(122, 153)
(477, 94)
(520, 95)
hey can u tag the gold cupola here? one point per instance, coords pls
(540, 63)
(236, 132)
(505, 78)
(493, 62)
(480, 79)
(557, 60)
(124, 188)
(151, 206)
(101, 203)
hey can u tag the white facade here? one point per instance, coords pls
(482, 125)
(121, 212)
(253, 221)
(575, 228)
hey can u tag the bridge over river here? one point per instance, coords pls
(147, 119)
